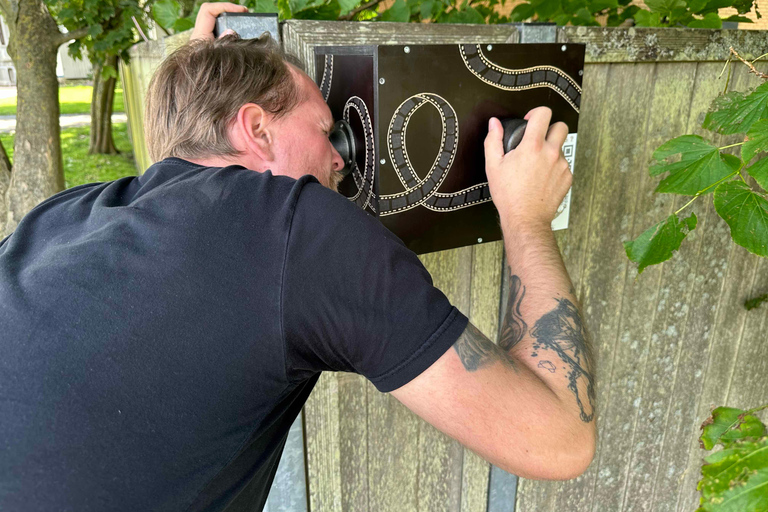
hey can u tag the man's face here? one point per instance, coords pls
(300, 144)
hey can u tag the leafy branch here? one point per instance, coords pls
(695, 167)
(659, 13)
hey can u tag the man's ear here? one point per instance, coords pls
(254, 130)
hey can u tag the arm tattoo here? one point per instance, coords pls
(514, 327)
(561, 331)
(476, 351)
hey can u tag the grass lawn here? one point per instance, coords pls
(79, 166)
(73, 99)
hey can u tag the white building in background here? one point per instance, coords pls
(7, 71)
(66, 66)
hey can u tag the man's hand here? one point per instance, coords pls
(528, 183)
(206, 18)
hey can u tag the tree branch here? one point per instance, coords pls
(75, 34)
(749, 64)
(351, 14)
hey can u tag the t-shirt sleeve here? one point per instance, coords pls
(355, 299)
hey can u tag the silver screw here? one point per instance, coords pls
(479, 240)
(563, 47)
(581, 72)
(381, 81)
(489, 47)
(383, 161)
(407, 49)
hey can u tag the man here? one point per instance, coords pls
(161, 333)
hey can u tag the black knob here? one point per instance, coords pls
(514, 129)
(343, 140)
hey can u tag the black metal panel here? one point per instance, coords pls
(432, 105)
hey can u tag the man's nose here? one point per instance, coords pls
(338, 162)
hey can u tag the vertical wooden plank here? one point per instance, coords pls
(699, 313)
(321, 430)
(353, 439)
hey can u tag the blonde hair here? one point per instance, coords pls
(197, 91)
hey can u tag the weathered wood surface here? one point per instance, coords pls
(644, 44)
(365, 451)
(676, 340)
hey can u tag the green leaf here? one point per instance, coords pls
(658, 242)
(425, 9)
(183, 24)
(468, 15)
(736, 112)
(645, 18)
(738, 19)
(108, 72)
(710, 20)
(265, 6)
(546, 9)
(690, 147)
(398, 12)
(599, 5)
(759, 171)
(326, 11)
(95, 30)
(746, 213)
(563, 19)
(726, 424)
(735, 479)
(757, 140)
(696, 5)
(664, 7)
(701, 165)
(744, 6)
(715, 5)
(166, 12)
(522, 12)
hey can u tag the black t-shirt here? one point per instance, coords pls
(159, 334)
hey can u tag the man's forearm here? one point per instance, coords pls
(543, 327)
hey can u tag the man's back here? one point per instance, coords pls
(154, 347)
(128, 355)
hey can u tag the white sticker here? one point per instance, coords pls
(563, 212)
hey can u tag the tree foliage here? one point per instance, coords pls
(612, 13)
(109, 27)
(172, 17)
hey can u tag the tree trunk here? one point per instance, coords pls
(37, 165)
(101, 110)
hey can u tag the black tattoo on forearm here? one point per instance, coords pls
(562, 331)
(476, 351)
(514, 328)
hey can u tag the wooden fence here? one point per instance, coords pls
(671, 343)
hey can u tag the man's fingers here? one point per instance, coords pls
(557, 134)
(538, 123)
(206, 18)
(494, 144)
(216, 8)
